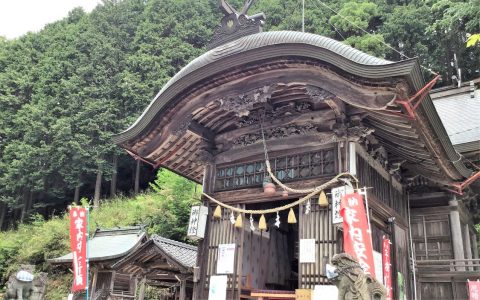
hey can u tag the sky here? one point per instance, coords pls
(18, 17)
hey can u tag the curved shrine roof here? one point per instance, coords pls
(107, 244)
(177, 256)
(332, 51)
(423, 143)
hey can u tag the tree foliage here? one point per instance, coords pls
(65, 90)
(165, 211)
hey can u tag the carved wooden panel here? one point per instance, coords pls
(286, 168)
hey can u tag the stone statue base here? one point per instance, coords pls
(25, 285)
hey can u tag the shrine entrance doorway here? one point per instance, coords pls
(270, 257)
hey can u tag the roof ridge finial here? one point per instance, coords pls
(227, 9)
(235, 24)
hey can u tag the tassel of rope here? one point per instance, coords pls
(315, 191)
(310, 192)
(302, 191)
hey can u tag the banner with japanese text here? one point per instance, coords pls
(474, 290)
(78, 245)
(356, 237)
(387, 268)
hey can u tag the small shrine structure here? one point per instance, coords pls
(105, 248)
(315, 108)
(162, 263)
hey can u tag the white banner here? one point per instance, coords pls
(337, 194)
(377, 261)
(226, 258)
(307, 250)
(218, 288)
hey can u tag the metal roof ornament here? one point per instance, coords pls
(235, 24)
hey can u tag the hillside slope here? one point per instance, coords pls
(164, 210)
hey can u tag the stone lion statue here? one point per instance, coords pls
(23, 285)
(353, 283)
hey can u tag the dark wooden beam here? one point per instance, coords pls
(313, 141)
(201, 131)
(323, 117)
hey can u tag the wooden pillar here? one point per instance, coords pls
(474, 245)
(468, 247)
(183, 290)
(202, 257)
(136, 188)
(141, 293)
(238, 269)
(352, 158)
(94, 282)
(112, 283)
(456, 227)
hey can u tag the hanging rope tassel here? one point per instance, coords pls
(291, 217)
(262, 223)
(239, 222)
(218, 212)
(322, 199)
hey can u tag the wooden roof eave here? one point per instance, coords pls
(434, 131)
(151, 243)
(264, 46)
(256, 48)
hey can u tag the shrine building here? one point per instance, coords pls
(316, 108)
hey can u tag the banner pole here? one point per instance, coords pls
(87, 259)
(363, 191)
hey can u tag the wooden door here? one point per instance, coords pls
(222, 231)
(401, 258)
(317, 225)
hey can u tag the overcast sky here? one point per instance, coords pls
(18, 17)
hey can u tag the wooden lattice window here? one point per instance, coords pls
(286, 168)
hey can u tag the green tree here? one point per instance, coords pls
(358, 23)
(177, 195)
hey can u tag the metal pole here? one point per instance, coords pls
(364, 192)
(88, 263)
(412, 250)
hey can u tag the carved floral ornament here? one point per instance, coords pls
(256, 116)
(242, 104)
(276, 133)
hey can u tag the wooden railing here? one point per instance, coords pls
(122, 295)
(452, 265)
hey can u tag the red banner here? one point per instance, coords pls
(78, 245)
(356, 238)
(387, 268)
(474, 290)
